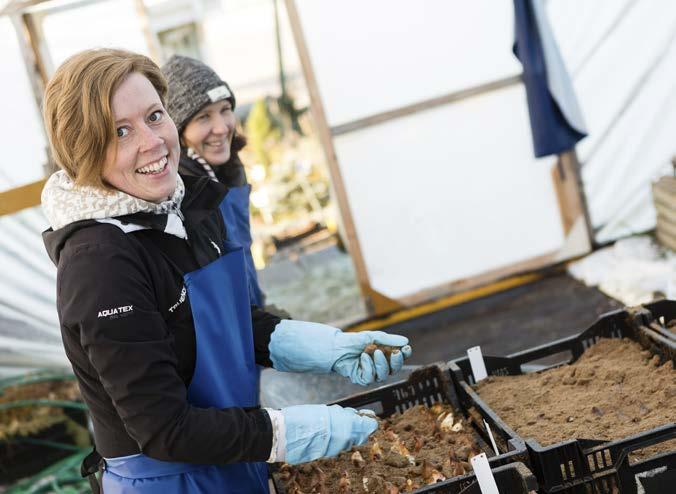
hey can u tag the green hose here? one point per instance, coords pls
(43, 403)
(61, 477)
(64, 476)
(49, 444)
(36, 377)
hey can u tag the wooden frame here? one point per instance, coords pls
(378, 118)
(572, 203)
(20, 198)
(376, 302)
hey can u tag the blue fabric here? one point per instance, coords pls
(140, 474)
(225, 376)
(552, 132)
(235, 212)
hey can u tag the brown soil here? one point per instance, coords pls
(408, 451)
(29, 420)
(616, 389)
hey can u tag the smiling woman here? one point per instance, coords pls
(82, 129)
(202, 106)
(154, 306)
(211, 131)
(143, 161)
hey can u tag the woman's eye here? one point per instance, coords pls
(155, 116)
(204, 117)
(226, 109)
(122, 131)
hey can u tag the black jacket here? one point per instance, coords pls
(128, 331)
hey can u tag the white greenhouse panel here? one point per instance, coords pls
(375, 56)
(21, 136)
(449, 193)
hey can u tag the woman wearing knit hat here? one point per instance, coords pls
(202, 107)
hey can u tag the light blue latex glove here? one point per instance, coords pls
(315, 431)
(298, 346)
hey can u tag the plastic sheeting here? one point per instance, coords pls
(374, 56)
(423, 222)
(284, 389)
(622, 55)
(634, 271)
(29, 326)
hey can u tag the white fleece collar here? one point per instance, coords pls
(64, 203)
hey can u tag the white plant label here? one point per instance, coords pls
(476, 360)
(490, 435)
(484, 475)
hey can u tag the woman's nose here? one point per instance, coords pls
(149, 139)
(221, 126)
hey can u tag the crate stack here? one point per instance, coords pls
(521, 465)
(664, 198)
(588, 466)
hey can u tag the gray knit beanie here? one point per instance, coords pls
(192, 86)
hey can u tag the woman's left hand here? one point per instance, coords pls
(298, 346)
(364, 365)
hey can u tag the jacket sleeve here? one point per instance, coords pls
(104, 292)
(263, 324)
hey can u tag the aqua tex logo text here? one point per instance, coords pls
(115, 312)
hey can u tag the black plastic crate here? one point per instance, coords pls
(428, 386)
(667, 312)
(583, 466)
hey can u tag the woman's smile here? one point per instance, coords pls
(155, 168)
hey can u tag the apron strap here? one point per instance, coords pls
(92, 464)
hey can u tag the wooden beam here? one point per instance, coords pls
(444, 303)
(37, 63)
(20, 198)
(664, 199)
(18, 6)
(31, 54)
(375, 302)
(154, 48)
(420, 106)
(32, 24)
(570, 193)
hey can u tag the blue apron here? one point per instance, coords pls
(235, 212)
(225, 376)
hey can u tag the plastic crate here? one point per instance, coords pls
(583, 465)
(428, 386)
(666, 310)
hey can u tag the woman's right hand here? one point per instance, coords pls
(315, 431)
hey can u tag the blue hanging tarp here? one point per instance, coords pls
(555, 117)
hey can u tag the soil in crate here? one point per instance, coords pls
(614, 390)
(421, 446)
